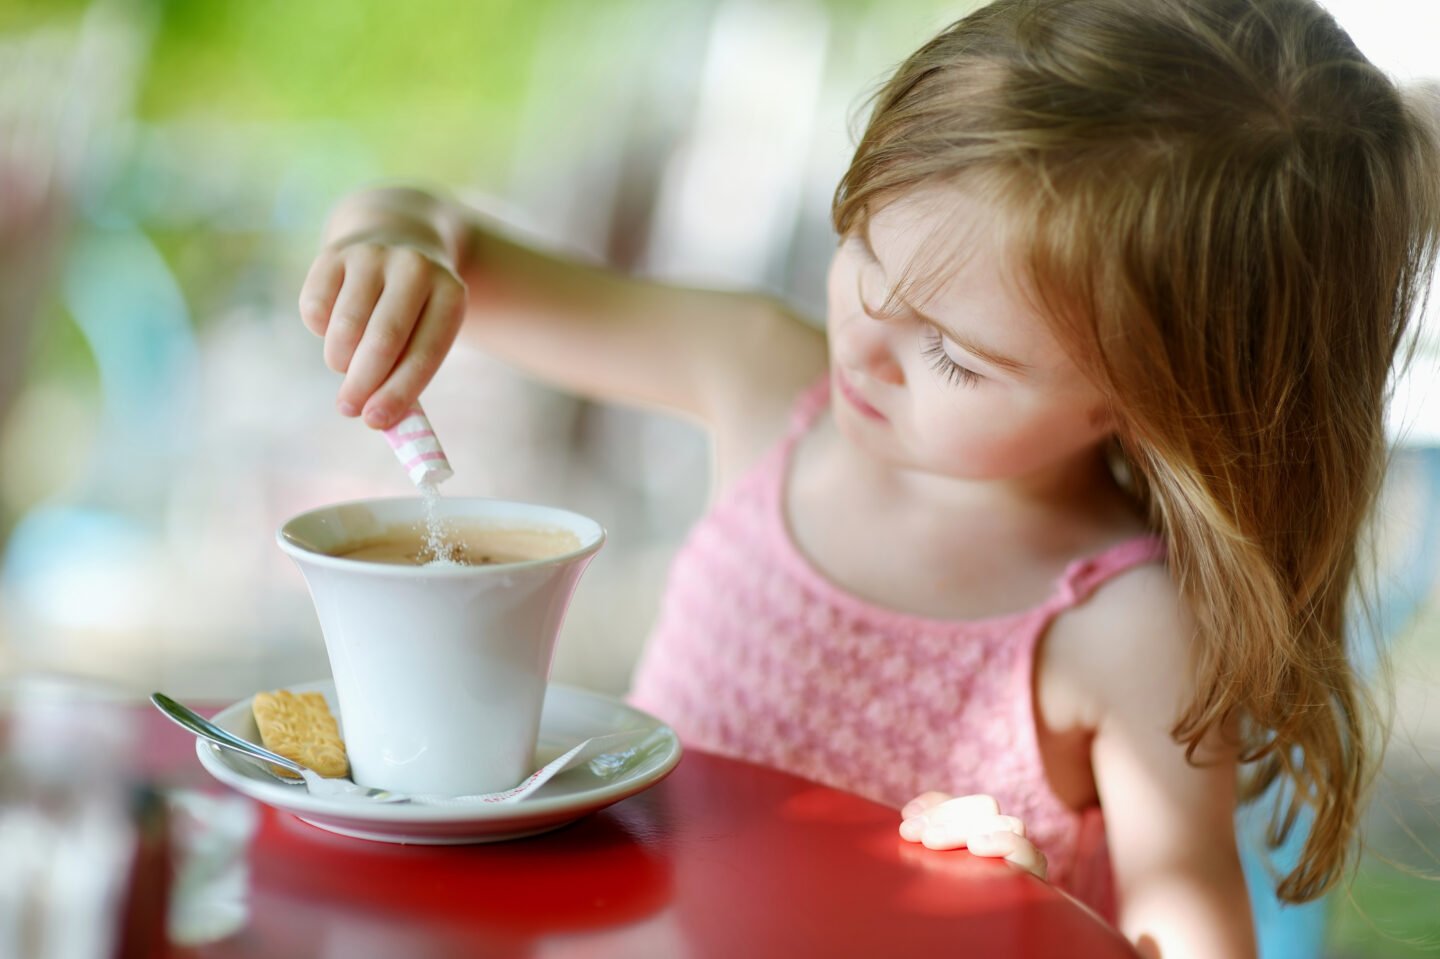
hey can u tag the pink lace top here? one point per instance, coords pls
(757, 655)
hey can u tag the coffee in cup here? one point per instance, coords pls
(468, 544)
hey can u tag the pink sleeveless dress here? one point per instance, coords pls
(756, 655)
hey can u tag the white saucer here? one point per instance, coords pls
(570, 717)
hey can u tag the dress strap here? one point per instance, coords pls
(1088, 574)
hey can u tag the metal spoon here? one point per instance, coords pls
(316, 784)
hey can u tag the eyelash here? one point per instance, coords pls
(940, 362)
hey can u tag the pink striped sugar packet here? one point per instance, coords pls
(418, 449)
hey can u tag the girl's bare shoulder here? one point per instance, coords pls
(1127, 647)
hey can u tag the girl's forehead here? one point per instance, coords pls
(938, 241)
(936, 204)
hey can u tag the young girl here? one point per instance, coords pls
(1061, 516)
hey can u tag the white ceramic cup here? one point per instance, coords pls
(440, 671)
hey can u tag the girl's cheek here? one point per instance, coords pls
(835, 283)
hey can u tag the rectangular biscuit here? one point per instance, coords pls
(299, 727)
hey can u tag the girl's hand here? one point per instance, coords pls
(939, 821)
(389, 311)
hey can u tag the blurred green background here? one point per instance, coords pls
(165, 170)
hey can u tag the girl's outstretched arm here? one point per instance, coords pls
(1169, 824)
(402, 273)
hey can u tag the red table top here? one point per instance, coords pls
(722, 858)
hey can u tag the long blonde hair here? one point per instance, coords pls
(1229, 216)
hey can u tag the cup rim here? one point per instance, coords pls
(304, 554)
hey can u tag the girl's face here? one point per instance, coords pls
(957, 377)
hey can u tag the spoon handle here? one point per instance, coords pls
(205, 729)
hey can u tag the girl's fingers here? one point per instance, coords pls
(353, 306)
(432, 339)
(1004, 844)
(385, 336)
(318, 292)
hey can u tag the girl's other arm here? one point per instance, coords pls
(1170, 825)
(403, 272)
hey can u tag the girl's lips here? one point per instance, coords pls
(855, 399)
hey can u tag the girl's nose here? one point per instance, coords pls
(870, 349)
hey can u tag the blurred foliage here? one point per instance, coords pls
(60, 347)
(428, 83)
(22, 14)
(1387, 914)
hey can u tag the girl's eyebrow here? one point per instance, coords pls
(999, 360)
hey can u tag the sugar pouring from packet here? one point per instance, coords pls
(418, 449)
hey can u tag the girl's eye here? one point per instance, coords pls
(940, 362)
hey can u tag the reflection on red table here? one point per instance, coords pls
(722, 858)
